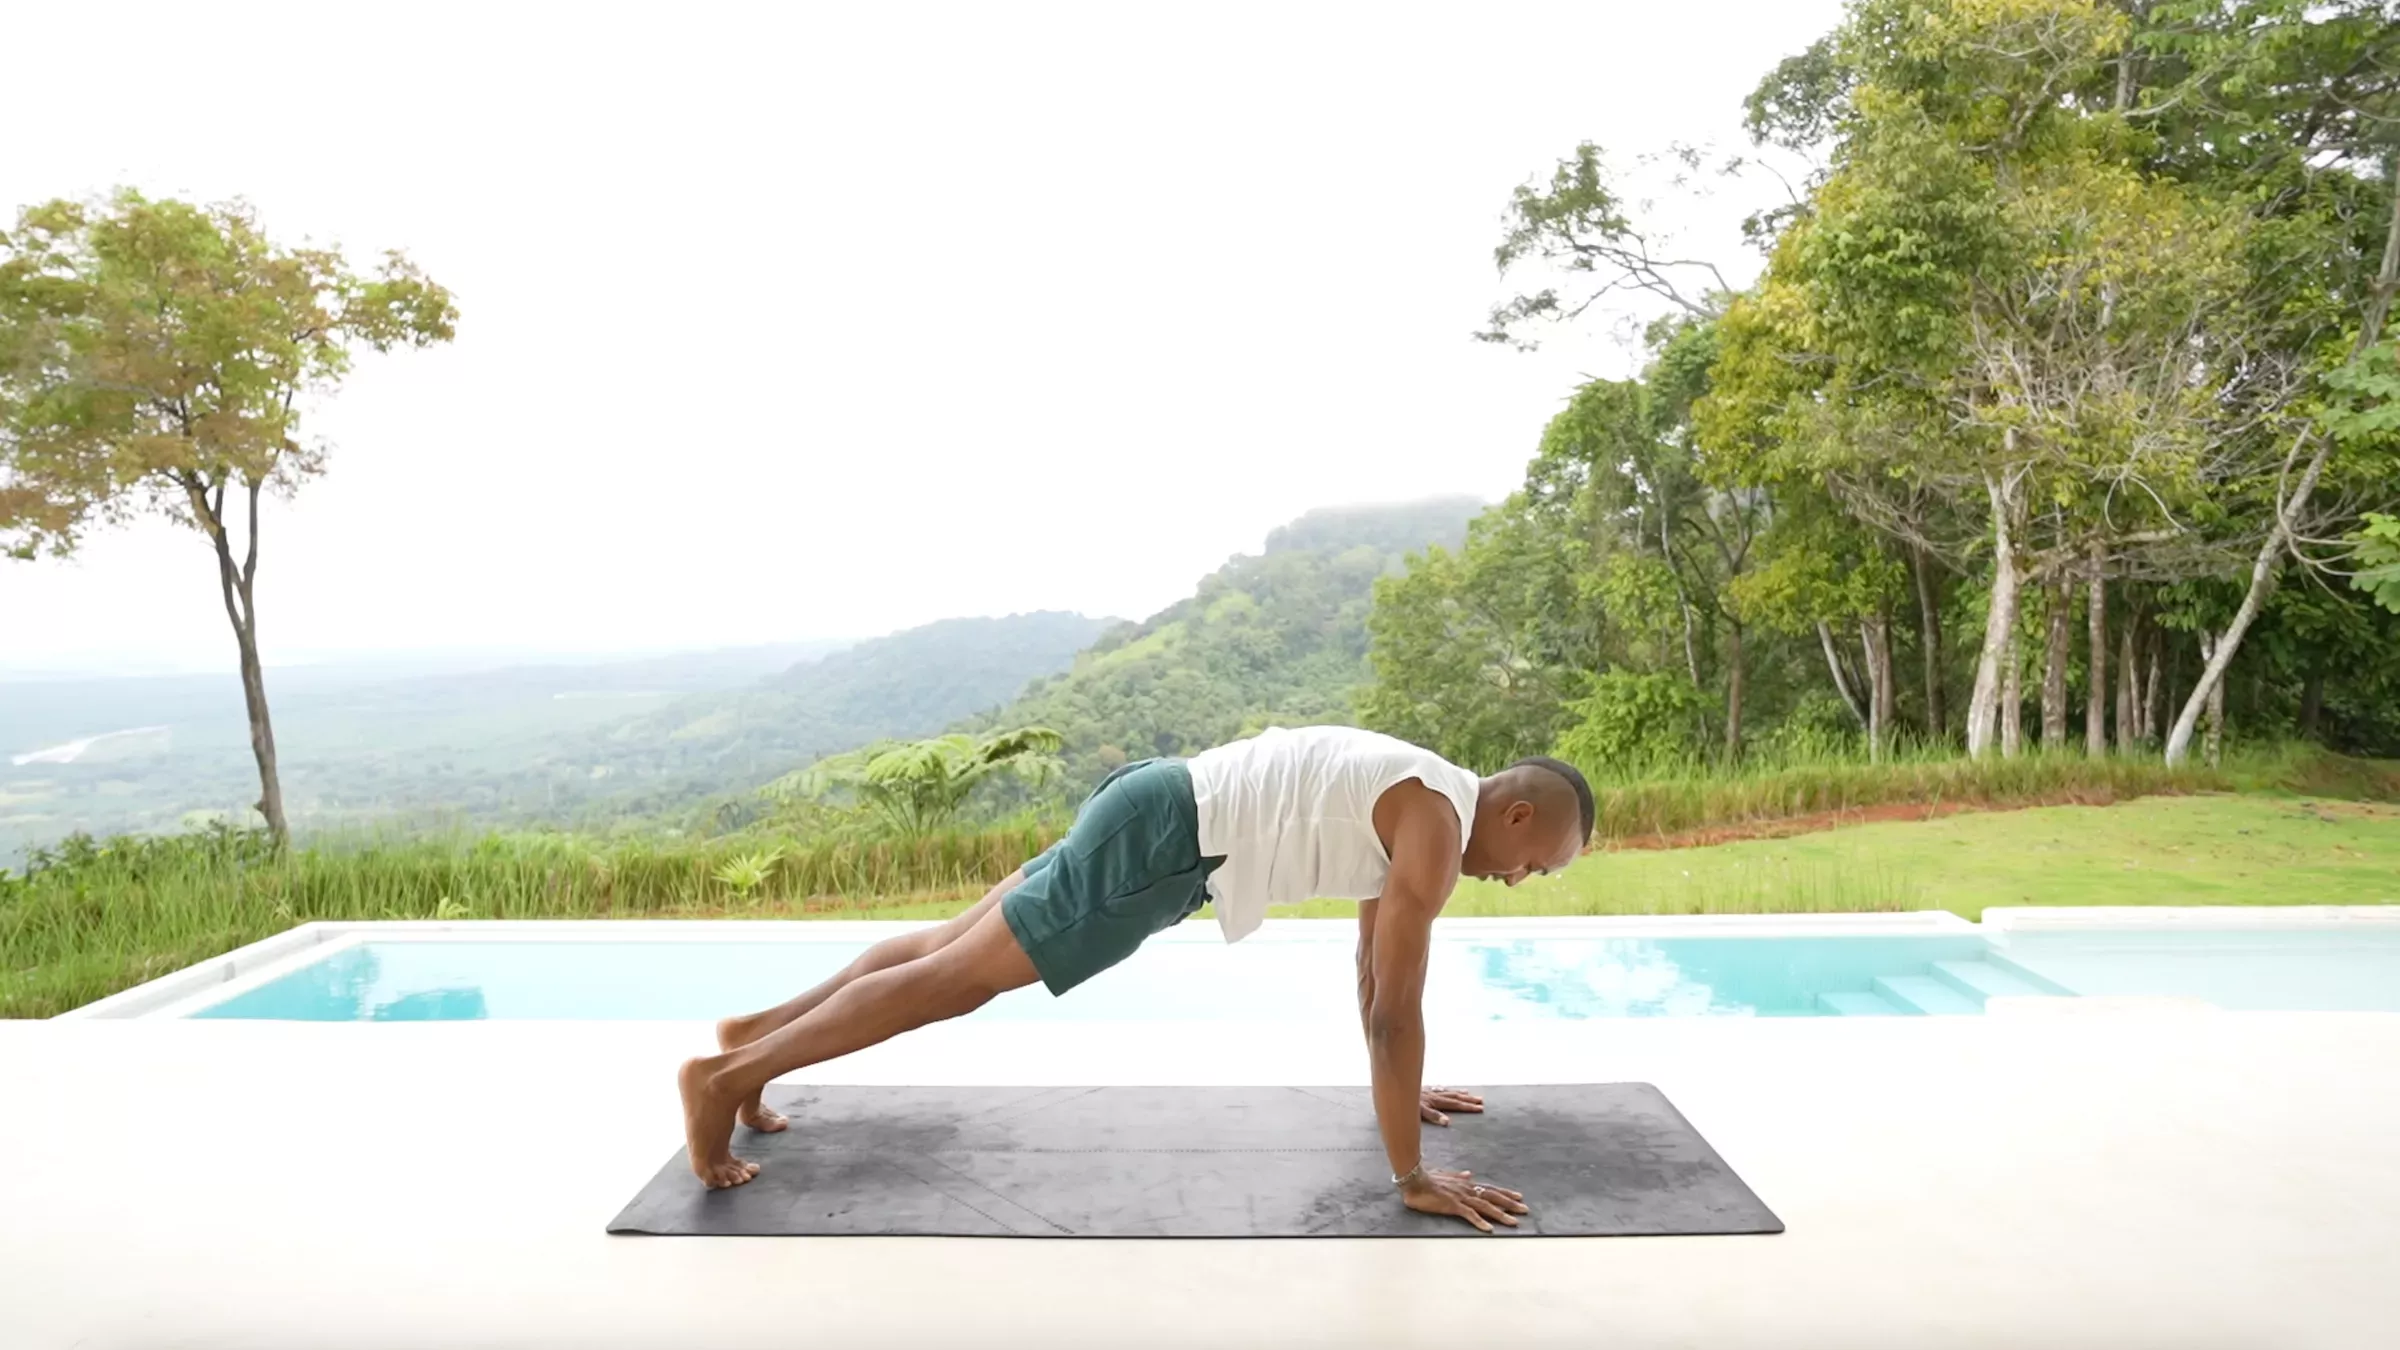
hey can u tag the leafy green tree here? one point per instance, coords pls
(2091, 357)
(2379, 551)
(2326, 660)
(1630, 725)
(2287, 106)
(1659, 530)
(917, 787)
(1821, 572)
(1475, 653)
(159, 357)
(2047, 321)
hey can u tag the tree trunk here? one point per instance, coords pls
(2312, 704)
(2054, 664)
(2270, 554)
(241, 608)
(1929, 637)
(1875, 632)
(2214, 738)
(2216, 726)
(2095, 702)
(2127, 61)
(2162, 669)
(1733, 691)
(2129, 686)
(2145, 684)
(1841, 682)
(2262, 584)
(1691, 649)
(2012, 701)
(1999, 624)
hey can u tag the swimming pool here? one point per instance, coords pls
(1488, 971)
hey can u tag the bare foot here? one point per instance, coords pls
(732, 1034)
(708, 1128)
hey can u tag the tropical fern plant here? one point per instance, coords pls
(917, 787)
(749, 871)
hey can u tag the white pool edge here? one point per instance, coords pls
(143, 1000)
(2192, 918)
(207, 983)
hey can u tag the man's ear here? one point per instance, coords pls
(1519, 813)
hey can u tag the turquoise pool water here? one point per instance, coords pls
(1532, 978)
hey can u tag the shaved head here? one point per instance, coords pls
(1532, 818)
(1553, 786)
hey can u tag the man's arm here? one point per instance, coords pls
(1397, 937)
(1431, 1102)
(1366, 963)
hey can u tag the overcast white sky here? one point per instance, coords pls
(796, 321)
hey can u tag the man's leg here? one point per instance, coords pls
(736, 1032)
(951, 981)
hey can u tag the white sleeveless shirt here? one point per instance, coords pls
(1292, 812)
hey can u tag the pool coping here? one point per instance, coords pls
(204, 983)
(2196, 918)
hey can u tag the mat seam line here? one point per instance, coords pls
(1062, 1228)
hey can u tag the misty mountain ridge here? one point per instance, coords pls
(1277, 637)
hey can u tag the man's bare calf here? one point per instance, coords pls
(735, 1032)
(950, 981)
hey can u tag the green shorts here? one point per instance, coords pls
(1129, 867)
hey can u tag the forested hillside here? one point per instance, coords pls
(1275, 637)
(908, 684)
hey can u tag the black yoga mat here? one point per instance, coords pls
(1593, 1160)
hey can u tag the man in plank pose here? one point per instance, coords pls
(1282, 817)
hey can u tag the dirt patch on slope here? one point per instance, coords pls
(1787, 826)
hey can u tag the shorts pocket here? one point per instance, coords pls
(1161, 904)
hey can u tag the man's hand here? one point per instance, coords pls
(1457, 1193)
(1432, 1102)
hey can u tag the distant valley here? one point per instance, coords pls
(1277, 636)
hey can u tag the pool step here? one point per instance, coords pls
(1978, 979)
(1925, 994)
(1849, 1004)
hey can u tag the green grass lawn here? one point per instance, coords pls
(2208, 850)
(2204, 850)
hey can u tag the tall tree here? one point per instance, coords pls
(2084, 347)
(1821, 571)
(2291, 106)
(1477, 653)
(1579, 228)
(2095, 704)
(2296, 506)
(163, 357)
(1663, 528)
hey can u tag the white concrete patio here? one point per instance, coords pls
(2088, 1176)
